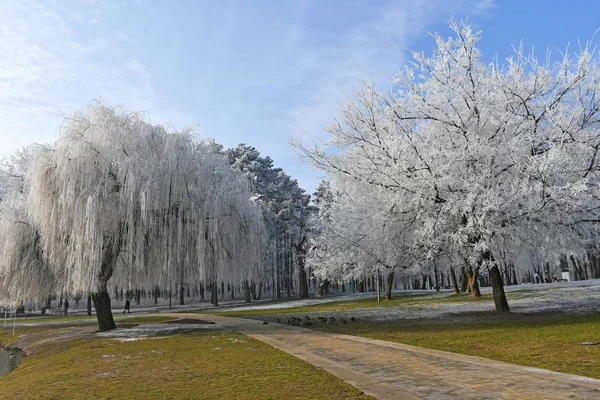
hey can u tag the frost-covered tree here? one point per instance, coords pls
(477, 151)
(360, 233)
(286, 210)
(118, 199)
(13, 170)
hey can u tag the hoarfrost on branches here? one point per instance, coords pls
(466, 158)
(121, 199)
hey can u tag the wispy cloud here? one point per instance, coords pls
(372, 48)
(52, 64)
(255, 72)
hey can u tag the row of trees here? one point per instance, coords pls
(118, 202)
(462, 166)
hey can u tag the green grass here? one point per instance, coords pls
(42, 326)
(124, 318)
(545, 340)
(207, 365)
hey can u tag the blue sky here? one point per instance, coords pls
(258, 72)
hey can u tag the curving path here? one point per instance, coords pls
(388, 370)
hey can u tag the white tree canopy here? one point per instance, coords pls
(476, 152)
(118, 197)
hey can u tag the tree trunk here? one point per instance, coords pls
(453, 281)
(514, 276)
(464, 280)
(246, 291)
(388, 288)
(215, 294)
(596, 267)
(498, 290)
(473, 275)
(101, 298)
(302, 276)
(181, 286)
(103, 313)
(89, 304)
(437, 283)
(506, 276)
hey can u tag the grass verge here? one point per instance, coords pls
(204, 365)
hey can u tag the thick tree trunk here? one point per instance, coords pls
(473, 275)
(388, 288)
(464, 280)
(101, 298)
(103, 313)
(498, 290)
(453, 281)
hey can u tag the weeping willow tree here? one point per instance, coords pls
(118, 199)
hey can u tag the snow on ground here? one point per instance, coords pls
(156, 331)
(578, 297)
(572, 297)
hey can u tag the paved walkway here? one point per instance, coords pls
(388, 370)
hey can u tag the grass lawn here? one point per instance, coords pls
(211, 364)
(85, 319)
(543, 340)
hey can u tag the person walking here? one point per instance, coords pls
(127, 305)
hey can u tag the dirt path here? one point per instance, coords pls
(389, 370)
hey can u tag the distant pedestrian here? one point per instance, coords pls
(537, 277)
(127, 305)
(66, 307)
